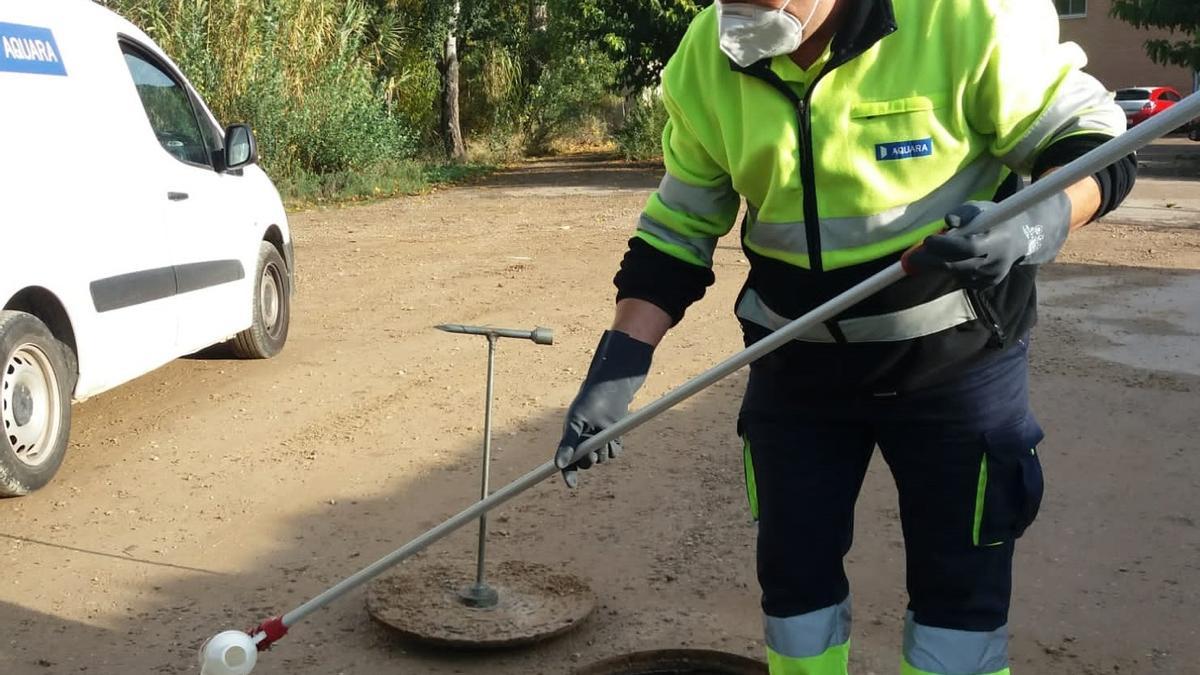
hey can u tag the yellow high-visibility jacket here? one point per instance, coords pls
(917, 107)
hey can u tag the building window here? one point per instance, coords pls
(1071, 7)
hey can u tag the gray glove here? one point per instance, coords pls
(981, 258)
(618, 370)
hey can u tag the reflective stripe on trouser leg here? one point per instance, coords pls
(817, 643)
(943, 651)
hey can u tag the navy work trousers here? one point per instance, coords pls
(963, 455)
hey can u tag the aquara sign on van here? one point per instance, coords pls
(29, 49)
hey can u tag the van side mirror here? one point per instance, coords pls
(240, 147)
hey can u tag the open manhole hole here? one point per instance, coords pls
(677, 662)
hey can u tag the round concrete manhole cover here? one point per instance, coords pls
(677, 662)
(422, 603)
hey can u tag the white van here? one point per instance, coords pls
(134, 228)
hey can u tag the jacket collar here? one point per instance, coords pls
(866, 22)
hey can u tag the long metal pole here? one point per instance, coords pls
(1097, 159)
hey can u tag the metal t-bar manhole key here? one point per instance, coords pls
(481, 595)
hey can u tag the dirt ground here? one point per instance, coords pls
(214, 493)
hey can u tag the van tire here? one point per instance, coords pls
(36, 381)
(272, 308)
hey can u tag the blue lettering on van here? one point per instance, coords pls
(29, 49)
(887, 152)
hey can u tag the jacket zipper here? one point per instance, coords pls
(808, 171)
(803, 105)
(808, 179)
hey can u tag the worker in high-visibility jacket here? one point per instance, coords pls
(855, 130)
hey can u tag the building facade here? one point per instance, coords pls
(1116, 50)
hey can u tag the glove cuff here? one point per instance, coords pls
(620, 356)
(1053, 217)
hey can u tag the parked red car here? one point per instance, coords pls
(1142, 103)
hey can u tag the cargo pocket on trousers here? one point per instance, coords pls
(1010, 485)
(748, 467)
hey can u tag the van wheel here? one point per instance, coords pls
(272, 308)
(35, 403)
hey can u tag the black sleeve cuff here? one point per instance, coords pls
(1116, 180)
(666, 282)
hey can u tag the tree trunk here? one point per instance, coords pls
(538, 15)
(451, 127)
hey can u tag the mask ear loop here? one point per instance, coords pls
(811, 14)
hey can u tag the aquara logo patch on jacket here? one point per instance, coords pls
(29, 49)
(888, 152)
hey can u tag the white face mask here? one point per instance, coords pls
(750, 33)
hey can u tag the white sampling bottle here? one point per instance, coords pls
(229, 653)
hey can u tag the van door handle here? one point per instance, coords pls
(177, 196)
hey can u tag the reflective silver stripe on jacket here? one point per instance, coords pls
(937, 315)
(1082, 104)
(702, 247)
(956, 652)
(809, 634)
(705, 202)
(839, 234)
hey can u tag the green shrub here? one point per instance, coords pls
(640, 137)
(571, 89)
(343, 123)
(384, 179)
